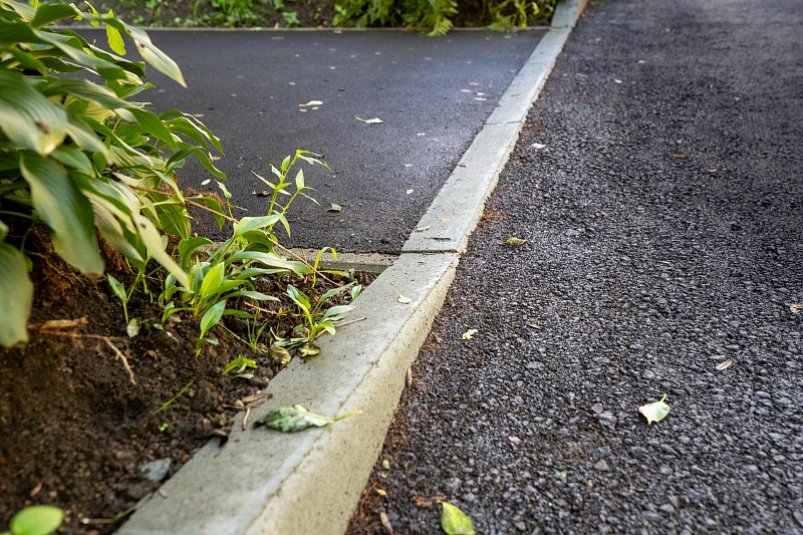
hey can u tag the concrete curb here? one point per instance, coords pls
(265, 482)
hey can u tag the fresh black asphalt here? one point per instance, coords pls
(433, 95)
(659, 185)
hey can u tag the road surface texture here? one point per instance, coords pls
(433, 95)
(659, 186)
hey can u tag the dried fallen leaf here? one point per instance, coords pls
(409, 191)
(514, 439)
(383, 517)
(374, 120)
(469, 334)
(386, 464)
(456, 522)
(795, 308)
(311, 103)
(334, 207)
(655, 411)
(538, 146)
(402, 299)
(381, 492)
(724, 365)
(681, 155)
(297, 418)
(422, 502)
(515, 242)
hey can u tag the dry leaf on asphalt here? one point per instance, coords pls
(374, 120)
(795, 308)
(469, 334)
(456, 522)
(655, 411)
(515, 242)
(402, 299)
(311, 103)
(334, 207)
(724, 365)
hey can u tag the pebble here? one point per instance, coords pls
(155, 470)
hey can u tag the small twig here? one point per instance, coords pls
(245, 418)
(349, 322)
(108, 339)
(122, 357)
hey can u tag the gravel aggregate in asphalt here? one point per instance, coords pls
(658, 185)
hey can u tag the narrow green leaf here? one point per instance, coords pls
(66, 211)
(456, 522)
(117, 288)
(248, 224)
(16, 296)
(37, 520)
(297, 418)
(188, 246)
(153, 56)
(153, 243)
(212, 316)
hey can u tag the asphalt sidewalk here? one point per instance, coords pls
(658, 185)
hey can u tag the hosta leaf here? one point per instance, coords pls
(212, 280)
(16, 296)
(297, 418)
(27, 118)
(37, 520)
(47, 13)
(66, 211)
(655, 411)
(456, 522)
(152, 55)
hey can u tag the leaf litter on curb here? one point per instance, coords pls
(655, 411)
(456, 522)
(297, 418)
(402, 299)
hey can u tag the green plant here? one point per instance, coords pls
(81, 158)
(317, 321)
(36, 520)
(239, 365)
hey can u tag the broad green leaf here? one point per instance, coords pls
(271, 260)
(27, 118)
(188, 246)
(212, 281)
(655, 411)
(16, 296)
(47, 13)
(23, 10)
(336, 313)
(114, 37)
(37, 520)
(58, 202)
(212, 316)
(456, 522)
(154, 126)
(247, 224)
(75, 158)
(297, 418)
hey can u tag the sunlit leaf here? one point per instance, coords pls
(334, 207)
(655, 411)
(456, 522)
(37, 520)
(374, 120)
(469, 334)
(297, 418)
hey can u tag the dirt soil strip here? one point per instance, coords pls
(658, 187)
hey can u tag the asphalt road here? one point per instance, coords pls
(659, 187)
(433, 95)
